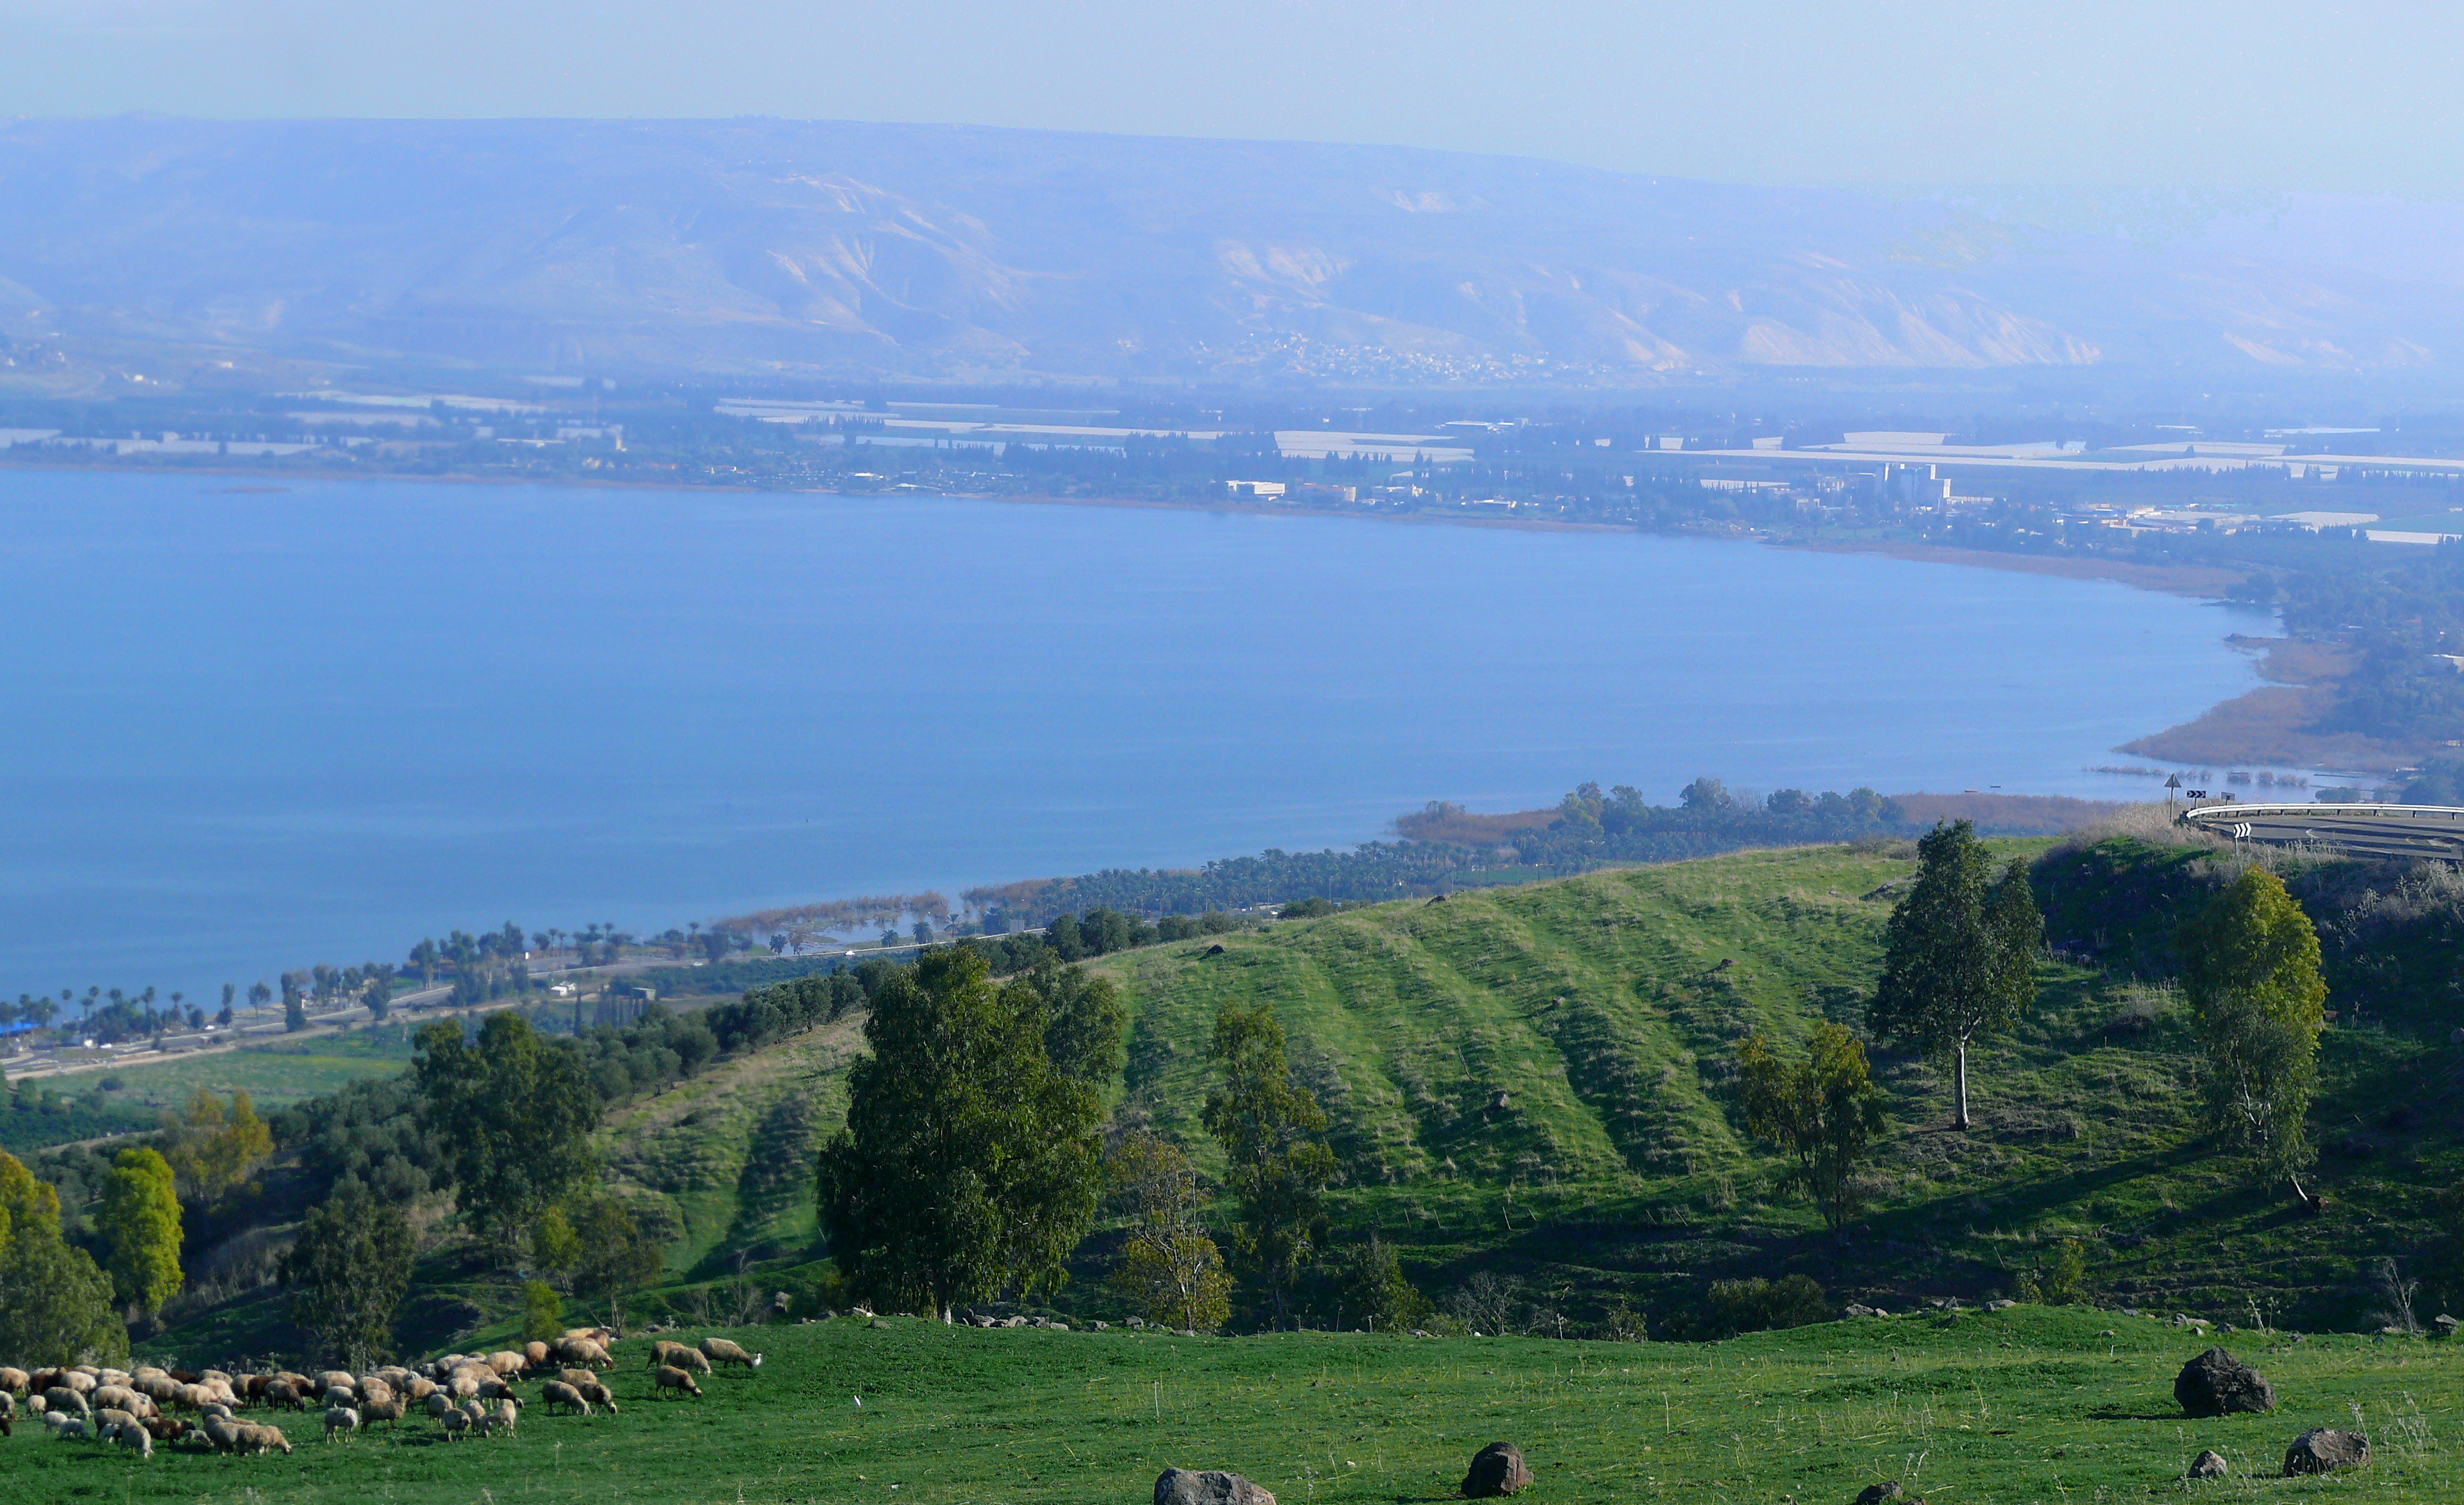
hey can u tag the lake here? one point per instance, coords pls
(253, 728)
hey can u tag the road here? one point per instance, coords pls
(2379, 831)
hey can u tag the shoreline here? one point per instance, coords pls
(2260, 727)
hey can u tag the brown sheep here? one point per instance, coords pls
(556, 1393)
(507, 1364)
(536, 1355)
(256, 1438)
(454, 1423)
(280, 1395)
(16, 1382)
(678, 1355)
(388, 1409)
(668, 1377)
(720, 1351)
(335, 1379)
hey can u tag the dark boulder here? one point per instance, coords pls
(1497, 1469)
(2209, 1465)
(2216, 1384)
(2324, 1450)
(1889, 1493)
(1211, 1487)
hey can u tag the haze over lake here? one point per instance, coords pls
(252, 728)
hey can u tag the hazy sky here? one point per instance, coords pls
(2062, 92)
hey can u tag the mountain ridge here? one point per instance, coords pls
(750, 247)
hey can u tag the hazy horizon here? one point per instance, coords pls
(2099, 97)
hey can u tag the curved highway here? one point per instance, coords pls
(2378, 831)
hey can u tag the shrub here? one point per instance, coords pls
(1756, 1304)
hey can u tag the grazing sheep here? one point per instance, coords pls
(66, 1400)
(265, 1439)
(507, 1362)
(462, 1388)
(508, 1411)
(79, 1380)
(16, 1382)
(536, 1355)
(720, 1351)
(165, 1428)
(66, 1426)
(342, 1395)
(111, 1418)
(334, 1378)
(439, 1404)
(136, 1439)
(388, 1409)
(603, 1335)
(419, 1387)
(556, 1393)
(340, 1418)
(678, 1355)
(280, 1395)
(213, 1408)
(374, 1389)
(584, 1351)
(668, 1377)
(593, 1388)
(36, 1405)
(454, 1423)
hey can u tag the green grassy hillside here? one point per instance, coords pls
(1536, 1082)
(1987, 1409)
(1607, 1009)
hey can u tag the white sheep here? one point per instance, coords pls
(16, 1382)
(668, 1377)
(65, 1426)
(720, 1351)
(333, 1379)
(509, 1411)
(678, 1356)
(556, 1393)
(507, 1362)
(136, 1439)
(340, 1418)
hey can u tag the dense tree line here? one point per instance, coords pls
(1591, 828)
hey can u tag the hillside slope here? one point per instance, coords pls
(1606, 1010)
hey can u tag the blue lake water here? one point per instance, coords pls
(248, 730)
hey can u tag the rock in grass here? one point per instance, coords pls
(2000, 1304)
(1887, 1493)
(2209, 1465)
(2216, 1384)
(2444, 1325)
(1497, 1469)
(1211, 1487)
(2324, 1450)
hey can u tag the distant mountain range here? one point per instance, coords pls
(754, 246)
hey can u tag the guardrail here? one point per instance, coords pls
(2431, 831)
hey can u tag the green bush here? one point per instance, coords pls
(543, 1312)
(1756, 1304)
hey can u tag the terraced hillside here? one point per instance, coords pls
(1536, 1080)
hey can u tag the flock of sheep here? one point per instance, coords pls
(466, 1395)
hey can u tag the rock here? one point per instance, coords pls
(2324, 1450)
(1884, 1494)
(2444, 1325)
(2106, 1332)
(1213, 1487)
(1496, 1469)
(1102, 1327)
(1859, 1309)
(1215, 950)
(2209, 1465)
(877, 1322)
(2000, 1304)
(2216, 1384)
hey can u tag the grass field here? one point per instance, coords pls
(2033, 1404)
(273, 1074)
